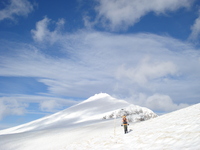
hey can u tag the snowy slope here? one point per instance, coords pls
(179, 130)
(89, 111)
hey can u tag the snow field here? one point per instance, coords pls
(177, 130)
(81, 128)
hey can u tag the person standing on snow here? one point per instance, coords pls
(125, 124)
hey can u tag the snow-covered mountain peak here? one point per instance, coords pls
(89, 111)
(103, 98)
(98, 96)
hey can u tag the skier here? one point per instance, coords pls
(125, 124)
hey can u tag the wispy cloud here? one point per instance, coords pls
(121, 14)
(125, 65)
(195, 34)
(42, 32)
(16, 8)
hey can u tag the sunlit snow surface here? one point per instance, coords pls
(80, 128)
(89, 111)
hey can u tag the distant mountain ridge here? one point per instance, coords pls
(94, 109)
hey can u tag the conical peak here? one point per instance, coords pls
(103, 98)
(98, 96)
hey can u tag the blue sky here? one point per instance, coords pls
(54, 54)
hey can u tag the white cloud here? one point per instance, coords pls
(120, 14)
(159, 102)
(147, 70)
(50, 106)
(10, 106)
(16, 8)
(42, 33)
(195, 34)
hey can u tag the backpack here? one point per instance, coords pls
(124, 121)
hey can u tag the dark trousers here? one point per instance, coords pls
(125, 129)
